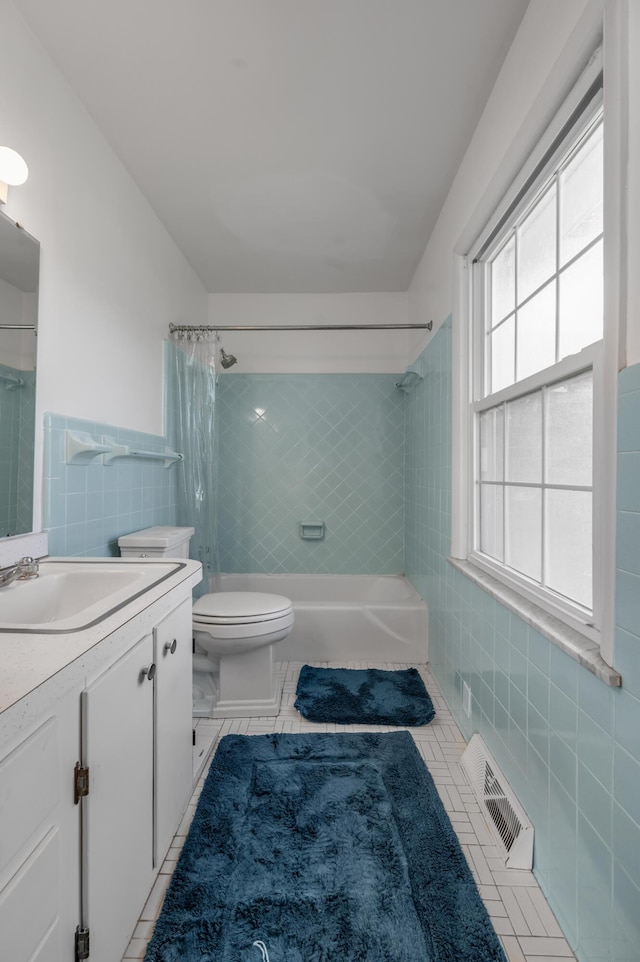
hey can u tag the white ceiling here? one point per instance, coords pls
(286, 145)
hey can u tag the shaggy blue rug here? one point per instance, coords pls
(350, 696)
(325, 848)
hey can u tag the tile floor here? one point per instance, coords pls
(517, 907)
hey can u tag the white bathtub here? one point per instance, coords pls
(345, 618)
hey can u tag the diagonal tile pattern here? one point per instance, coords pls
(518, 910)
(311, 448)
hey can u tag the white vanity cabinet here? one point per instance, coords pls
(117, 813)
(39, 838)
(173, 763)
(137, 741)
(95, 775)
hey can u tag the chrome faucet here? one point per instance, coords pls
(23, 569)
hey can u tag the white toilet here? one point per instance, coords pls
(234, 631)
(239, 629)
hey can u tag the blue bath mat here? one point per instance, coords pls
(326, 848)
(348, 696)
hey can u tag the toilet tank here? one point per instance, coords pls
(162, 541)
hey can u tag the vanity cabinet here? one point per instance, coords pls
(137, 734)
(92, 789)
(117, 823)
(39, 838)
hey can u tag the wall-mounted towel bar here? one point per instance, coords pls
(81, 447)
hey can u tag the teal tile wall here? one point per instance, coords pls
(311, 447)
(16, 452)
(569, 745)
(86, 507)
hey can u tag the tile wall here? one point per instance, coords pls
(86, 507)
(568, 744)
(16, 451)
(311, 447)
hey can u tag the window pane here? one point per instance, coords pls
(502, 347)
(581, 309)
(524, 439)
(568, 545)
(503, 283)
(523, 526)
(491, 445)
(491, 520)
(581, 198)
(569, 431)
(537, 245)
(537, 333)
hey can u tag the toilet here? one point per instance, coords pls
(234, 632)
(238, 629)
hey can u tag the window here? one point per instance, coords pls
(537, 328)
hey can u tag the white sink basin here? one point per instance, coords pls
(71, 595)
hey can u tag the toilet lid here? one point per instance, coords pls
(236, 607)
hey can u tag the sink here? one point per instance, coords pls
(71, 595)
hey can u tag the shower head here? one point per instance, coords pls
(227, 360)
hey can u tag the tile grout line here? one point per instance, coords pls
(516, 905)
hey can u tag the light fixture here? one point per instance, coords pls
(13, 171)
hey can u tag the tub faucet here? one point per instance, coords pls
(23, 569)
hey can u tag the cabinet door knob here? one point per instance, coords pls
(149, 672)
(170, 647)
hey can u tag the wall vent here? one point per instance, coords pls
(507, 819)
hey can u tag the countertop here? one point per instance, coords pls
(35, 668)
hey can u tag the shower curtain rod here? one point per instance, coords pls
(189, 329)
(17, 327)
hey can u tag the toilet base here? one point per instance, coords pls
(248, 685)
(246, 708)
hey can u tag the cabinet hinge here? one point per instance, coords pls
(80, 782)
(82, 944)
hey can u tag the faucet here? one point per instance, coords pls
(23, 569)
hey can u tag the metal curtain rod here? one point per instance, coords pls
(17, 327)
(187, 328)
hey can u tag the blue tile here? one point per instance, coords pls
(627, 660)
(627, 601)
(563, 716)
(596, 699)
(629, 422)
(628, 482)
(563, 764)
(626, 843)
(626, 781)
(627, 722)
(595, 749)
(595, 803)
(629, 379)
(628, 541)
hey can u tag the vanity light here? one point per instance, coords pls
(13, 171)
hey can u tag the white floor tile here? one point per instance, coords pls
(523, 920)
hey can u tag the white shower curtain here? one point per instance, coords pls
(192, 411)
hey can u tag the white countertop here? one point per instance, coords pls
(32, 665)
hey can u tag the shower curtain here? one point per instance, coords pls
(191, 407)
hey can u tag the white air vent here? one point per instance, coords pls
(507, 819)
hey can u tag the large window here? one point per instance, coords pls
(537, 332)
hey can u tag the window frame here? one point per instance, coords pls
(579, 108)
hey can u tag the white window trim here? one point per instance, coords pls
(596, 653)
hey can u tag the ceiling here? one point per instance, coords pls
(286, 145)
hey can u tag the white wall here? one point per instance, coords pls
(553, 42)
(632, 259)
(111, 279)
(313, 352)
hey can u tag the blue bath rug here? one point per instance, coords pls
(348, 696)
(326, 848)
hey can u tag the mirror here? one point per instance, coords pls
(19, 272)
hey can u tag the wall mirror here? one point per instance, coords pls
(19, 273)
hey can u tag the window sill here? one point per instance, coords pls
(577, 646)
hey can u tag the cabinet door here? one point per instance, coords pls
(117, 814)
(173, 774)
(39, 847)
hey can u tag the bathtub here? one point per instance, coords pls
(345, 618)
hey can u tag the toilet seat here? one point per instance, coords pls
(240, 608)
